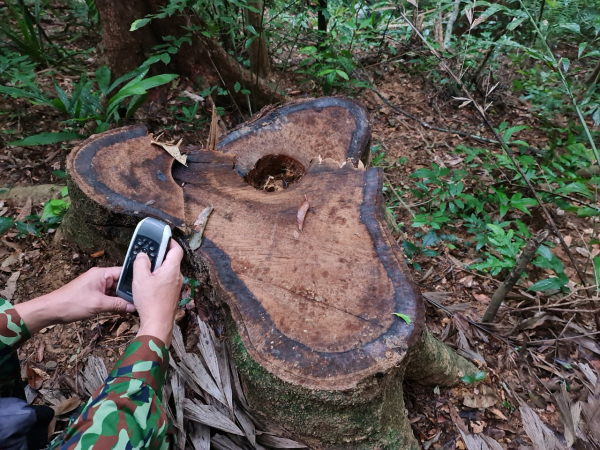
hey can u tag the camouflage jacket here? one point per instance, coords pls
(126, 412)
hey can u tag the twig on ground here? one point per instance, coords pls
(520, 265)
(387, 180)
(546, 341)
(509, 153)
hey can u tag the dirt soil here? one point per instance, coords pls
(456, 297)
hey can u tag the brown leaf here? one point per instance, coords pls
(97, 254)
(482, 298)
(25, 211)
(34, 377)
(67, 406)
(122, 329)
(302, 212)
(11, 286)
(456, 419)
(172, 150)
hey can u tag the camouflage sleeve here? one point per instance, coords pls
(127, 411)
(13, 333)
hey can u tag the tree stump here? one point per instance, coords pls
(309, 313)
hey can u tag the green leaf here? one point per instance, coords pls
(237, 87)
(404, 317)
(547, 284)
(480, 376)
(423, 173)
(6, 223)
(573, 27)
(26, 228)
(343, 74)
(59, 173)
(47, 138)
(565, 64)
(596, 262)
(139, 23)
(545, 252)
(64, 191)
(512, 130)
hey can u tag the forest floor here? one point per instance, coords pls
(527, 353)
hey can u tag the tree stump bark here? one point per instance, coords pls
(309, 313)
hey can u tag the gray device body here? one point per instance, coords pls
(151, 236)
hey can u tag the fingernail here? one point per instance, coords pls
(130, 308)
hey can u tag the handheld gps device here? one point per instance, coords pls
(152, 237)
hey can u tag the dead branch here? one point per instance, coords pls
(515, 274)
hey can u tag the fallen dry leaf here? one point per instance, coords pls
(482, 298)
(25, 211)
(173, 150)
(302, 212)
(97, 254)
(34, 377)
(11, 286)
(66, 406)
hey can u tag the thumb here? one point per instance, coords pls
(115, 305)
(141, 265)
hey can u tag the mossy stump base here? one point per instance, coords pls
(309, 302)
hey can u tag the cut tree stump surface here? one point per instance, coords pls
(313, 307)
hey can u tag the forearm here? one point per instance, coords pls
(40, 312)
(129, 404)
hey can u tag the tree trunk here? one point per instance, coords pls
(259, 54)
(203, 58)
(308, 302)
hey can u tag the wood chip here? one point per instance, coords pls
(198, 228)
(192, 96)
(213, 133)
(172, 150)
(209, 415)
(302, 213)
(97, 254)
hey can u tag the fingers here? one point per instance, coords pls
(174, 255)
(111, 276)
(115, 305)
(141, 265)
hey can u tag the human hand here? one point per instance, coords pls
(156, 294)
(84, 297)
